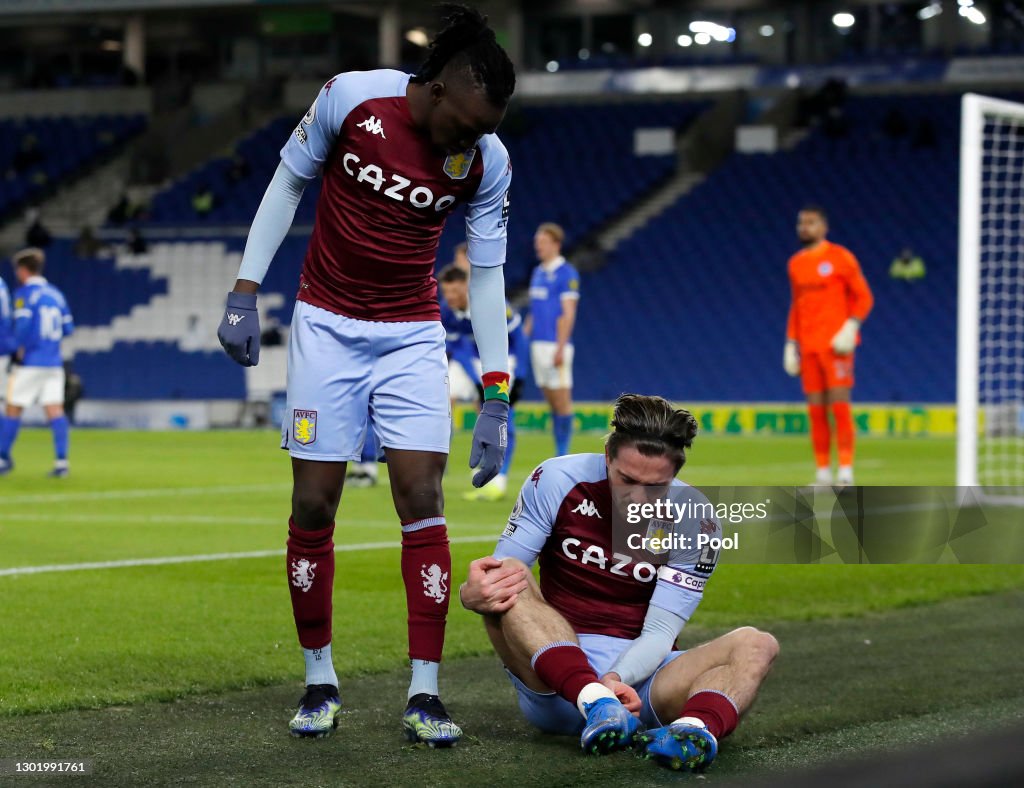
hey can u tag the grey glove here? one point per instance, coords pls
(490, 437)
(239, 330)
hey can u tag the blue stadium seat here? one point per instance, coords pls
(67, 145)
(704, 285)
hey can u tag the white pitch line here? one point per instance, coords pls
(156, 492)
(194, 559)
(144, 519)
(160, 492)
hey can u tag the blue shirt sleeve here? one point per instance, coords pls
(312, 140)
(69, 321)
(569, 282)
(516, 338)
(24, 317)
(487, 212)
(6, 322)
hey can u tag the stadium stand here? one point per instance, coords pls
(709, 334)
(591, 186)
(38, 153)
(687, 272)
(148, 321)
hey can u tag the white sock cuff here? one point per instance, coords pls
(555, 644)
(320, 666)
(592, 692)
(419, 525)
(718, 692)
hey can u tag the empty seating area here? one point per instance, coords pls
(159, 370)
(692, 306)
(38, 153)
(571, 164)
(703, 287)
(97, 289)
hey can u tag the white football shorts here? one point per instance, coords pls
(545, 374)
(30, 385)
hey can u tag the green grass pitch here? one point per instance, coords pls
(166, 670)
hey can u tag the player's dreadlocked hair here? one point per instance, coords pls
(465, 40)
(653, 427)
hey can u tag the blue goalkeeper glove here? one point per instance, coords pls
(239, 330)
(490, 437)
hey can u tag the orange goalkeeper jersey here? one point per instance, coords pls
(828, 287)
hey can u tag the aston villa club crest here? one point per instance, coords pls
(456, 165)
(658, 529)
(304, 426)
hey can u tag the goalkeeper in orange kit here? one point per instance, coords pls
(831, 299)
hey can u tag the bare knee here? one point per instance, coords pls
(754, 648)
(313, 509)
(418, 495)
(532, 590)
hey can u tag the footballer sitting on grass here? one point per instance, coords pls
(591, 648)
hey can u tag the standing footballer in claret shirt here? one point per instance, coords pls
(831, 299)
(397, 153)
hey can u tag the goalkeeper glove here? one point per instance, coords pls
(239, 330)
(845, 340)
(791, 358)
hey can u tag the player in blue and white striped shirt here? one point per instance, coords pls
(41, 320)
(554, 295)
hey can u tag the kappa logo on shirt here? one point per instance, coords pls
(587, 509)
(373, 125)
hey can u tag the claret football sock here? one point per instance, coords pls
(564, 667)
(310, 565)
(320, 666)
(715, 710)
(426, 572)
(821, 435)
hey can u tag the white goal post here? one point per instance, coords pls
(990, 320)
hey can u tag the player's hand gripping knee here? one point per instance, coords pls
(490, 437)
(239, 330)
(492, 587)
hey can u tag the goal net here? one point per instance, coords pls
(990, 330)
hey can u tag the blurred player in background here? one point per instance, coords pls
(6, 337)
(464, 367)
(592, 648)
(461, 259)
(397, 153)
(41, 320)
(831, 299)
(554, 297)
